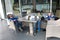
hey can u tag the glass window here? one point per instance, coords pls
(29, 1)
(26, 2)
(41, 1)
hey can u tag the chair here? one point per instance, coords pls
(12, 26)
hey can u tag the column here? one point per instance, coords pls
(9, 7)
(20, 8)
(1, 11)
(12, 1)
(34, 4)
(50, 5)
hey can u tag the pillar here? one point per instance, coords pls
(1, 11)
(34, 5)
(50, 5)
(9, 7)
(12, 1)
(20, 8)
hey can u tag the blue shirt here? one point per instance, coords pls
(14, 18)
(50, 17)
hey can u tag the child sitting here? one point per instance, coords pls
(18, 25)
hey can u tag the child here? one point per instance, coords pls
(50, 15)
(17, 24)
(37, 24)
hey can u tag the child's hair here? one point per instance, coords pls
(9, 15)
(29, 17)
(42, 18)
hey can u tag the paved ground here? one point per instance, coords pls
(9, 34)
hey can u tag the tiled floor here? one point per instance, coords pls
(9, 34)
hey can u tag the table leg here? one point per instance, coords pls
(31, 28)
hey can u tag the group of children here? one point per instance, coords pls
(18, 25)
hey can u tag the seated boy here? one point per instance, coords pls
(18, 25)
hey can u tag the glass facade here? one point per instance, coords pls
(27, 2)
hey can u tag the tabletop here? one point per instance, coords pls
(32, 19)
(53, 28)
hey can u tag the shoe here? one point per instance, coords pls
(44, 29)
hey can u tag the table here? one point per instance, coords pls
(53, 29)
(30, 24)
